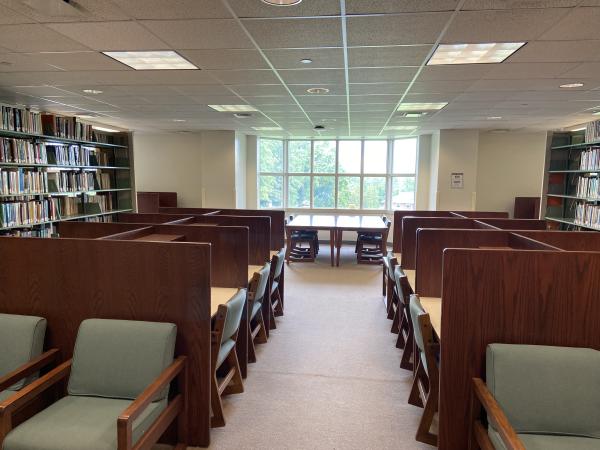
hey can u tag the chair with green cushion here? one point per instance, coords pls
(425, 388)
(118, 385)
(538, 397)
(257, 294)
(226, 376)
(275, 279)
(402, 320)
(21, 358)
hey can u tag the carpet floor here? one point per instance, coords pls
(329, 377)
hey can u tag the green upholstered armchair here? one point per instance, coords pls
(224, 358)
(21, 358)
(257, 294)
(117, 393)
(538, 397)
(275, 279)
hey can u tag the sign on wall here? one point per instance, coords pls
(457, 180)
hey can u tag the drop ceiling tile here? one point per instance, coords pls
(382, 75)
(283, 110)
(296, 33)
(244, 76)
(174, 9)
(441, 87)
(374, 99)
(9, 16)
(111, 35)
(225, 59)
(387, 7)
(35, 38)
(78, 61)
(306, 100)
(270, 90)
(199, 33)
(381, 88)
(174, 77)
(381, 107)
(202, 90)
(455, 72)
(502, 25)
(558, 51)
(19, 62)
(404, 55)
(515, 85)
(517, 4)
(83, 10)
(580, 23)
(393, 30)
(274, 100)
(529, 70)
(321, 58)
(313, 76)
(245, 8)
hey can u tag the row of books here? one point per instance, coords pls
(20, 119)
(68, 155)
(592, 131)
(99, 203)
(28, 212)
(78, 181)
(44, 232)
(587, 214)
(22, 181)
(22, 151)
(66, 127)
(590, 159)
(588, 187)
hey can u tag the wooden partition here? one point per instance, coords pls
(432, 242)
(122, 280)
(527, 208)
(277, 236)
(514, 224)
(150, 202)
(481, 214)
(92, 230)
(515, 297)
(574, 241)
(397, 222)
(152, 218)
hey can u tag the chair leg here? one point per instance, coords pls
(395, 325)
(261, 337)
(279, 307)
(384, 279)
(405, 362)
(272, 324)
(251, 348)
(236, 385)
(415, 398)
(217, 419)
(390, 308)
(423, 433)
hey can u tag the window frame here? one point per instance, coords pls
(389, 175)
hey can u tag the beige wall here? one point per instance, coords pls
(252, 170)
(509, 165)
(240, 170)
(423, 172)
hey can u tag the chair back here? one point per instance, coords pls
(235, 308)
(21, 340)
(120, 358)
(546, 390)
(416, 310)
(402, 285)
(277, 264)
(258, 285)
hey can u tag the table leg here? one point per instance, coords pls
(288, 247)
(332, 245)
(340, 235)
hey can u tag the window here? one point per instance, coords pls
(377, 175)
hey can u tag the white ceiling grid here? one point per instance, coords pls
(370, 54)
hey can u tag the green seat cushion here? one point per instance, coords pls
(5, 394)
(120, 358)
(548, 442)
(546, 390)
(255, 309)
(21, 340)
(235, 308)
(78, 423)
(224, 351)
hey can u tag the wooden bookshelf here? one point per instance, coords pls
(78, 179)
(571, 198)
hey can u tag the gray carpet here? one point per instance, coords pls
(329, 377)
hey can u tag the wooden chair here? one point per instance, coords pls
(402, 320)
(371, 246)
(225, 368)
(257, 294)
(275, 278)
(304, 245)
(425, 388)
(117, 394)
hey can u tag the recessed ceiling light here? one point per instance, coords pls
(267, 128)
(232, 108)
(282, 2)
(108, 130)
(92, 91)
(317, 90)
(400, 128)
(421, 106)
(485, 53)
(306, 61)
(571, 85)
(178, 120)
(155, 60)
(494, 118)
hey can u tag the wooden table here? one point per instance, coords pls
(251, 270)
(433, 307)
(220, 296)
(336, 225)
(411, 275)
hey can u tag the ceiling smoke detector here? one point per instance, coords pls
(317, 90)
(319, 127)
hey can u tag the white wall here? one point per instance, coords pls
(252, 171)
(509, 165)
(434, 159)
(218, 170)
(240, 170)
(423, 172)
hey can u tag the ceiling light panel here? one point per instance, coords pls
(154, 60)
(399, 128)
(421, 106)
(232, 108)
(486, 53)
(267, 128)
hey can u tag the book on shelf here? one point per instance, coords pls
(588, 187)
(68, 155)
(587, 214)
(590, 159)
(66, 127)
(592, 131)
(30, 212)
(47, 231)
(21, 151)
(97, 204)
(15, 181)
(20, 119)
(70, 206)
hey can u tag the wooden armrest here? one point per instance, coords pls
(28, 369)
(36, 387)
(496, 416)
(133, 411)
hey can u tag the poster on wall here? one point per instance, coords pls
(457, 180)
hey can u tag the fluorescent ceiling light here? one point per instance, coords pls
(400, 128)
(232, 108)
(267, 128)
(306, 61)
(154, 60)
(494, 118)
(108, 130)
(178, 120)
(317, 90)
(571, 85)
(421, 106)
(486, 53)
(282, 2)
(92, 91)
